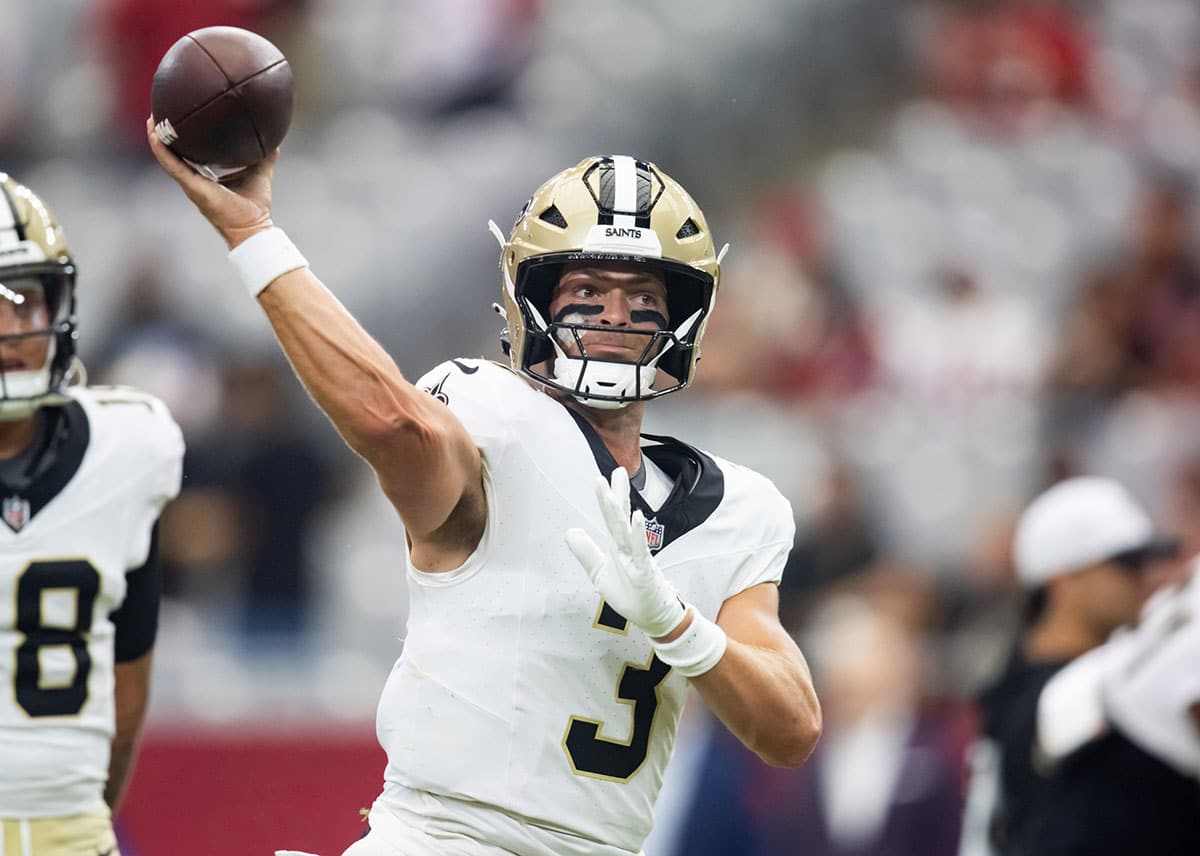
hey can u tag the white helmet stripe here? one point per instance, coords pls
(9, 234)
(625, 191)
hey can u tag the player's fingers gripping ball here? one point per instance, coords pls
(624, 571)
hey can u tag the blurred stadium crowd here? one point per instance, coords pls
(964, 265)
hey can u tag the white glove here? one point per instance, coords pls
(625, 573)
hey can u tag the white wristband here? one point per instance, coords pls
(264, 257)
(697, 650)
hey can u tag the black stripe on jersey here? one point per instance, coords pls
(699, 482)
(136, 620)
(54, 467)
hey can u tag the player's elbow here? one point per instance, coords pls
(382, 433)
(792, 746)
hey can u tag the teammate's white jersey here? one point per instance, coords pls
(1151, 677)
(65, 545)
(523, 710)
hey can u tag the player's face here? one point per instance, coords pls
(614, 296)
(1109, 596)
(23, 309)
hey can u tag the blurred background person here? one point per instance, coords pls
(882, 782)
(1086, 552)
(1119, 736)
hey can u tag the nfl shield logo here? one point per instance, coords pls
(654, 534)
(15, 511)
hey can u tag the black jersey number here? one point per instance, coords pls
(618, 760)
(80, 579)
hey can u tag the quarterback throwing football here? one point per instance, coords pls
(569, 577)
(84, 475)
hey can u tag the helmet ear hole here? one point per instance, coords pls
(554, 217)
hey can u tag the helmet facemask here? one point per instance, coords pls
(24, 389)
(607, 383)
(583, 211)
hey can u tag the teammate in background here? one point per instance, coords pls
(1089, 556)
(559, 606)
(84, 474)
(1121, 728)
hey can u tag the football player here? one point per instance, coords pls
(1089, 556)
(84, 475)
(1121, 726)
(569, 577)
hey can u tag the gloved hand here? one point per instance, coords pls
(623, 570)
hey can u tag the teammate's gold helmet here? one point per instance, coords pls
(615, 209)
(33, 251)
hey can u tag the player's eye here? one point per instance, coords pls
(649, 298)
(34, 302)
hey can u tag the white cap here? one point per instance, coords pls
(1077, 523)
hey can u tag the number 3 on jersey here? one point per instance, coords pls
(54, 613)
(618, 760)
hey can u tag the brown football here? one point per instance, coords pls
(222, 99)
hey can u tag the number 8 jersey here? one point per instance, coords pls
(67, 540)
(524, 711)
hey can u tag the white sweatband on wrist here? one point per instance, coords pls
(698, 648)
(264, 257)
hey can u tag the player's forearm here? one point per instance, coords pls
(131, 695)
(766, 698)
(120, 763)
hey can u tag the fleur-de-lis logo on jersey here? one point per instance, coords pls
(436, 391)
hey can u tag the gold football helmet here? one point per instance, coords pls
(615, 209)
(33, 254)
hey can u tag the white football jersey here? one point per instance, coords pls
(65, 545)
(1151, 677)
(523, 709)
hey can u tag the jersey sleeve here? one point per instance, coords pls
(168, 448)
(136, 621)
(484, 395)
(772, 528)
(156, 446)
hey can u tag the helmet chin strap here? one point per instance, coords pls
(25, 392)
(627, 382)
(602, 378)
(599, 377)
(22, 393)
